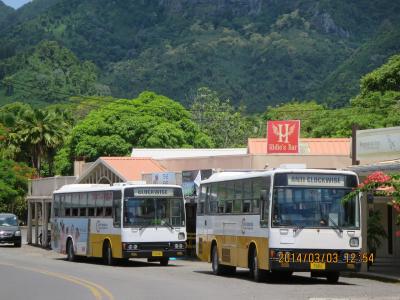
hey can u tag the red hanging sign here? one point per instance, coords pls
(283, 136)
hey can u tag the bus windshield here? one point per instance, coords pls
(146, 212)
(314, 208)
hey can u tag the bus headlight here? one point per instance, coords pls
(354, 242)
(181, 236)
(17, 233)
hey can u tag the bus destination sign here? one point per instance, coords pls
(154, 192)
(316, 180)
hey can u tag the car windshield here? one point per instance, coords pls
(314, 207)
(145, 212)
(8, 221)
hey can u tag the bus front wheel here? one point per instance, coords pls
(107, 255)
(70, 251)
(255, 272)
(216, 267)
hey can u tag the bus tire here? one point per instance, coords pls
(217, 268)
(256, 273)
(332, 277)
(107, 254)
(164, 261)
(70, 251)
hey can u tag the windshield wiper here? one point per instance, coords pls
(168, 224)
(336, 226)
(298, 228)
(143, 226)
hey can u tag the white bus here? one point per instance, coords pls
(119, 222)
(280, 221)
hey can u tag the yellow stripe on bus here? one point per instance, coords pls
(97, 241)
(234, 250)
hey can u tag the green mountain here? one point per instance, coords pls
(4, 11)
(256, 52)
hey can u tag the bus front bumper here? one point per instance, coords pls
(306, 260)
(154, 250)
(314, 267)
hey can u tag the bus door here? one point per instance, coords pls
(190, 227)
(201, 237)
(231, 224)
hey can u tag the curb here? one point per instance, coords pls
(373, 276)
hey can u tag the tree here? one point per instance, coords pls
(384, 78)
(13, 186)
(150, 120)
(381, 184)
(34, 135)
(226, 126)
(51, 74)
(372, 108)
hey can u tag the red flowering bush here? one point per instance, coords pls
(380, 184)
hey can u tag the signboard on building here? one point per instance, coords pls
(163, 178)
(283, 136)
(191, 180)
(378, 144)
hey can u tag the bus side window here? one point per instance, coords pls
(212, 199)
(75, 205)
(264, 199)
(91, 203)
(61, 206)
(83, 204)
(99, 204)
(56, 205)
(117, 195)
(237, 202)
(67, 205)
(222, 193)
(247, 196)
(230, 195)
(256, 188)
(202, 200)
(108, 203)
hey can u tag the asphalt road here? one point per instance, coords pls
(34, 273)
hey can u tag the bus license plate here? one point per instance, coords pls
(156, 253)
(317, 266)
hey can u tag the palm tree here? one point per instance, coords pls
(41, 132)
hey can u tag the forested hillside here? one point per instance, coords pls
(255, 52)
(4, 11)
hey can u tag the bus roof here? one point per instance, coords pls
(226, 176)
(71, 188)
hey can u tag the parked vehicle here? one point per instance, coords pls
(280, 221)
(119, 222)
(10, 233)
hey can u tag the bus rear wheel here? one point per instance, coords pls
(107, 254)
(332, 277)
(70, 251)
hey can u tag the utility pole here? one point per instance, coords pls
(354, 160)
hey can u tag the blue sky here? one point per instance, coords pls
(15, 3)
